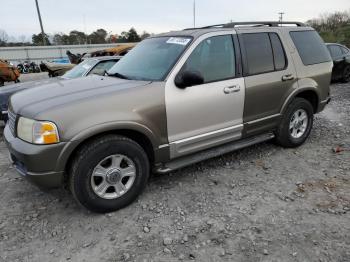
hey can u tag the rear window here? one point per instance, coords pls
(310, 47)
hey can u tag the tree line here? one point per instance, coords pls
(334, 27)
(75, 37)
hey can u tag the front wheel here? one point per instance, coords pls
(109, 173)
(296, 124)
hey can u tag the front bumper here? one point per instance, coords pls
(37, 163)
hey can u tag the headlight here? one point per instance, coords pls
(37, 132)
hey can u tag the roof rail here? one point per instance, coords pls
(253, 23)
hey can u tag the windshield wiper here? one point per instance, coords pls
(117, 75)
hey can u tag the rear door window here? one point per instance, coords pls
(311, 47)
(258, 52)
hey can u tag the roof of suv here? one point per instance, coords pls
(196, 32)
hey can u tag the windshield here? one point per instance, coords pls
(152, 59)
(79, 70)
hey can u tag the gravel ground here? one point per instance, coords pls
(263, 203)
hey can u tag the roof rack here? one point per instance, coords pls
(253, 23)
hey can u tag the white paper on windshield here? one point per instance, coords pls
(178, 40)
(86, 66)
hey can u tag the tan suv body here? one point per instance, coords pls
(175, 99)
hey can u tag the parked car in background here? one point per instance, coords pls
(341, 59)
(8, 73)
(118, 50)
(175, 99)
(96, 65)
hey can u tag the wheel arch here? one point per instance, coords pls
(308, 93)
(135, 134)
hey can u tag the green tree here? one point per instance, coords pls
(77, 37)
(98, 37)
(145, 35)
(133, 36)
(3, 37)
(38, 39)
(334, 27)
(58, 39)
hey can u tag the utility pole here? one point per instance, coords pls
(41, 23)
(281, 17)
(194, 13)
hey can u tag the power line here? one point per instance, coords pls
(281, 17)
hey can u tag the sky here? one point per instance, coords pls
(19, 18)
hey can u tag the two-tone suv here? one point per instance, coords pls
(175, 99)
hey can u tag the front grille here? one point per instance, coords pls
(12, 121)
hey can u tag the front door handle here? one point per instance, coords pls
(232, 89)
(287, 77)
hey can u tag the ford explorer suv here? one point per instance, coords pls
(176, 99)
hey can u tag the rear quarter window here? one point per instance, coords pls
(311, 47)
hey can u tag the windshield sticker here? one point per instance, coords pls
(178, 40)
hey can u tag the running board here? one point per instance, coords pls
(212, 152)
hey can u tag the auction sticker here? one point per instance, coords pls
(178, 40)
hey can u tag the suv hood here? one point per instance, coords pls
(58, 93)
(10, 89)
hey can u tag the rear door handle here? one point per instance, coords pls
(232, 89)
(287, 77)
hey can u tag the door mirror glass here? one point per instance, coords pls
(189, 78)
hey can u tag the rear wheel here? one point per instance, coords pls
(296, 124)
(108, 173)
(346, 74)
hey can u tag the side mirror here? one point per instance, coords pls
(188, 78)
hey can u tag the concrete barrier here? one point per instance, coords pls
(46, 53)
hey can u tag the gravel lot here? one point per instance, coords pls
(263, 203)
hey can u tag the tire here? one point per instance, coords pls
(284, 135)
(2, 83)
(85, 172)
(346, 74)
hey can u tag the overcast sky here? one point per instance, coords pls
(19, 17)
